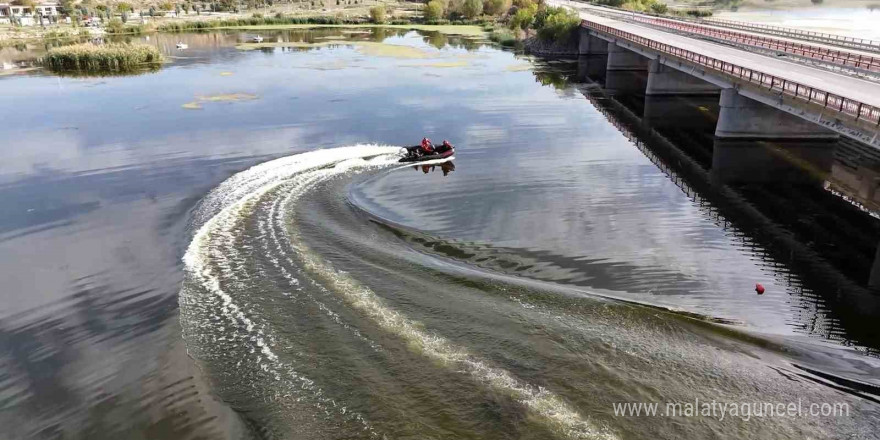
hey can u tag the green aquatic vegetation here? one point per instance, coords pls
(223, 97)
(96, 58)
(364, 47)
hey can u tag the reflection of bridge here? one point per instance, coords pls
(762, 97)
(818, 282)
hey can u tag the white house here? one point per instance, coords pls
(24, 15)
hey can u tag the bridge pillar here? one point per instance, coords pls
(620, 58)
(741, 117)
(757, 161)
(591, 45)
(664, 80)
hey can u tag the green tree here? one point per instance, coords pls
(524, 17)
(559, 25)
(433, 10)
(377, 14)
(661, 8)
(123, 7)
(67, 7)
(166, 6)
(472, 8)
(496, 7)
(115, 26)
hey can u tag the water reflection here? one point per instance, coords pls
(445, 168)
(803, 207)
(103, 174)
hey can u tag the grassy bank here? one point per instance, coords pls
(105, 58)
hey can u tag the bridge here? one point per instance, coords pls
(780, 85)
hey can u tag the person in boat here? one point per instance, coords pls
(427, 147)
(446, 146)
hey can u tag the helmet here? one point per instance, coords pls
(446, 143)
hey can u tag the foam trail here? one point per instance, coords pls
(552, 409)
(211, 257)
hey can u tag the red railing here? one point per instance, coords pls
(847, 106)
(859, 43)
(842, 58)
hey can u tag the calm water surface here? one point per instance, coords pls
(228, 248)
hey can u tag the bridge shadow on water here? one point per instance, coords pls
(807, 209)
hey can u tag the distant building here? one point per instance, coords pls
(24, 16)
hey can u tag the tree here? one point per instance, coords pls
(166, 6)
(433, 10)
(524, 17)
(377, 14)
(661, 8)
(472, 8)
(67, 7)
(124, 7)
(496, 7)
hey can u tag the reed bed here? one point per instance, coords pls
(254, 21)
(102, 58)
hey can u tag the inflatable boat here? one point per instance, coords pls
(415, 154)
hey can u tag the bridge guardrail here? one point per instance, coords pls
(819, 53)
(840, 40)
(840, 104)
(860, 43)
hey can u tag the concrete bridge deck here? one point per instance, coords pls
(842, 103)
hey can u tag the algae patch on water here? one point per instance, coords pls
(518, 67)
(446, 65)
(364, 47)
(225, 97)
(459, 30)
(390, 50)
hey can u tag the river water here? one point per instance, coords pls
(227, 247)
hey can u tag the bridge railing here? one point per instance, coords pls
(821, 37)
(860, 43)
(834, 56)
(840, 104)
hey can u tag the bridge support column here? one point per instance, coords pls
(741, 117)
(664, 80)
(591, 45)
(620, 58)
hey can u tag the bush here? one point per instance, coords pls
(524, 17)
(472, 8)
(559, 25)
(659, 8)
(433, 10)
(109, 57)
(377, 14)
(699, 13)
(496, 7)
(115, 26)
(503, 37)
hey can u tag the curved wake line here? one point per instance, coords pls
(207, 261)
(234, 199)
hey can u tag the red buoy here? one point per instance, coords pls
(759, 288)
